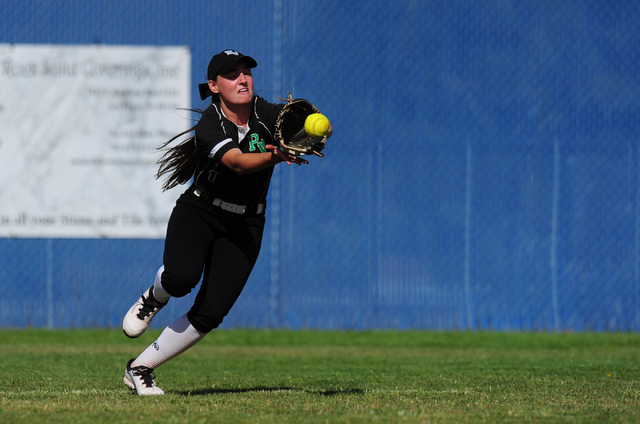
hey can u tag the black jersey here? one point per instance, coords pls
(215, 135)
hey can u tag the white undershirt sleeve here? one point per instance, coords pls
(218, 146)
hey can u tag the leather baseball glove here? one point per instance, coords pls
(290, 130)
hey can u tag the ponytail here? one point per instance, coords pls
(179, 162)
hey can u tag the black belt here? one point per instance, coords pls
(230, 207)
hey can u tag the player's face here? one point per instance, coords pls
(235, 86)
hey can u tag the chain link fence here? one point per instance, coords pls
(484, 173)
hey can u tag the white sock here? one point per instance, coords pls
(159, 292)
(175, 339)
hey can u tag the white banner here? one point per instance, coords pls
(79, 128)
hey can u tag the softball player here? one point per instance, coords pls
(215, 229)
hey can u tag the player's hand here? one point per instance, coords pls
(284, 156)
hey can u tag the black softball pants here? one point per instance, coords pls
(219, 247)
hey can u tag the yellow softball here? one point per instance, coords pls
(316, 125)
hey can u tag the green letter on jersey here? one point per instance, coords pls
(255, 141)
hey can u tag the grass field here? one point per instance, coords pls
(325, 377)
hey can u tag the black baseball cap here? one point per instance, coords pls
(221, 63)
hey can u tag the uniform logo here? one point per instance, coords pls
(231, 52)
(254, 141)
(155, 344)
(212, 175)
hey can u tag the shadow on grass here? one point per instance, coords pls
(213, 391)
(202, 392)
(333, 392)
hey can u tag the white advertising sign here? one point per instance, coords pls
(79, 128)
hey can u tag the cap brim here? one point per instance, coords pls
(251, 63)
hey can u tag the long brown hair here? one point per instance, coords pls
(180, 161)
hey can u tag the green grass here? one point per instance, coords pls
(325, 377)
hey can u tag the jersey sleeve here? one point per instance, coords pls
(212, 138)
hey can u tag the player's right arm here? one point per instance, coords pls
(245, 163)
